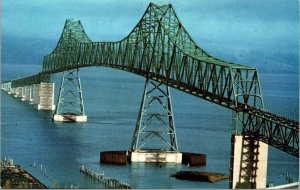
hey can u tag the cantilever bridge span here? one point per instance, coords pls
(159, 48)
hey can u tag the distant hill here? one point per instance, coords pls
(31, 50)
(268, 61)
(25, 50)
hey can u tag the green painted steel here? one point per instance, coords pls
(155, 126)
(70, 99)
(160, 49)
(30, 80)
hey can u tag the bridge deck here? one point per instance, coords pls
(160, 48)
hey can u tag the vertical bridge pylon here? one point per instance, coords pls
(160, 47)
(249, 156)
(70, 107)
(154, 138)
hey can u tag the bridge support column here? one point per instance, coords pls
(248, 163)
(46, 96)
(27, 93)
(31, 94)
(6, 87)
(35, 94)
(23, 93)
(12, 91)
(19, 92)
(154, 138)
(70, 106)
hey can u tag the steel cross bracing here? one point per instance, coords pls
(159, 47)
(70, 99)
(271, 129)
(155, 123)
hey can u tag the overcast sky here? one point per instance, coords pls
(236, 30)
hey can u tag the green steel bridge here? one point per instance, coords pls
(159, 48)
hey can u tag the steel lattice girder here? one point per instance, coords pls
(70, 98)
(270, 130)
(250, 160)
(160, 48)
(30, 80)
(155, 124)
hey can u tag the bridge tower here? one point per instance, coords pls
(70, 107)
(154, 138)
(248, 160)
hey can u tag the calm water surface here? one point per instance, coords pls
(112, 99)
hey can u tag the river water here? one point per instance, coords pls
(112, 99)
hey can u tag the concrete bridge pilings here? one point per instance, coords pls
(40, 95)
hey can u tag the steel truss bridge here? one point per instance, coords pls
(159, 48)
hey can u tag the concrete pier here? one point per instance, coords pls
(69, 118)
(6, 86)
(70, 107)
(122, 157)
(23, 93)
(156, 156)
(46, 96)
(27, 91)
(258, 179)
(19, 92)
(30, 94)
(35, 94)
(16, 92)
(41, 95)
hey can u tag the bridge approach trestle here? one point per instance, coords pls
(160, 49)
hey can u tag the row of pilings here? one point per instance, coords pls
(109, 183)
(41, 95)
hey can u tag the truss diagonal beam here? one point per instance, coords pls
(155, 121)
(160, 48)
